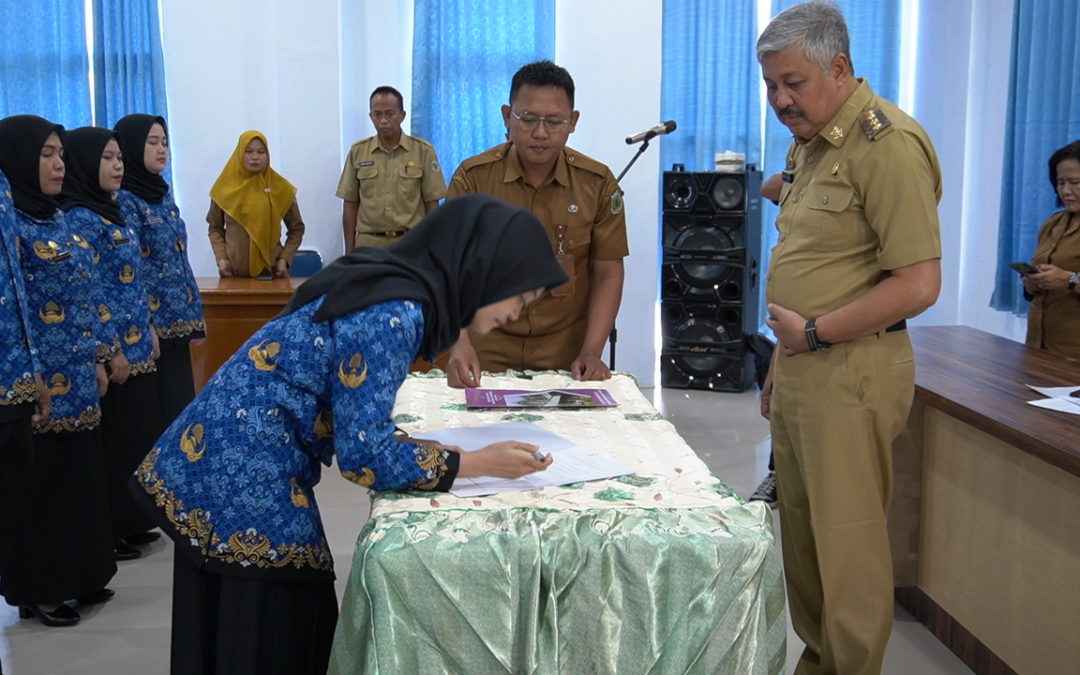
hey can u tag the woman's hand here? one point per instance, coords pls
(44, 401)
(1049, 278)
(119, 368)
(506, 459)
(102, 380)
(155, 354)
(224, 268)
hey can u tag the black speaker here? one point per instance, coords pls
(709, 278)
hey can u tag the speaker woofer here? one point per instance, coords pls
(728, 193)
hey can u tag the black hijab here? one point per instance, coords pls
(472, 251)
(21, 140)
(82, 186)
(133, 130)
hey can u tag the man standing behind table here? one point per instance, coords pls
(390, 180)
(858, 253)
(581, 207)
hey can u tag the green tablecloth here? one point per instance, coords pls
(665, 571)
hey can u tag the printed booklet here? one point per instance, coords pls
(549, 398)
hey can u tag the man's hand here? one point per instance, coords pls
(281, 269)
(102, 380)
(463, 369)
(589, 367)
(767, 389)
(224, 268)
(119, 368)
(44, 401)
(789, 328)
(506, 459)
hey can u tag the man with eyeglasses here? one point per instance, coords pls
(390, 181)
(579, 203)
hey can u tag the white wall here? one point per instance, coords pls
(302, 74)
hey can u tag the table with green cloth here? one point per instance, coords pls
(662, 571)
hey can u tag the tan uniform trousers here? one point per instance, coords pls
(834, 416)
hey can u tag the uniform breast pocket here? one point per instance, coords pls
(368, 177)
(832, 225)
(409, 177)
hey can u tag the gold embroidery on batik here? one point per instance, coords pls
(351, 375)
(262, 353)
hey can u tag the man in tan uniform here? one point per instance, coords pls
(858, 253)
(390, 181)
(580, 205)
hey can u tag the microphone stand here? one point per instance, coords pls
(614, 331)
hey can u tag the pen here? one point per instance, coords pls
(539, 456)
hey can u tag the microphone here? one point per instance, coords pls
(658, 130)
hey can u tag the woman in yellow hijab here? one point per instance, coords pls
(248, 203)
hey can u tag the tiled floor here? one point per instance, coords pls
(130, 634)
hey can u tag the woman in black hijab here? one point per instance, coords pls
(130, 418)
(62, 548)
(175, 306)
(232, 479)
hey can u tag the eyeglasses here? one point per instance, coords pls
(529, 122)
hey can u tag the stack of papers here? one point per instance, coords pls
(1060, 399)
(572, 462)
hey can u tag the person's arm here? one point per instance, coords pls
(604, 300)
(906, 292)
(463, 369)
(215, 220)
(772, 187)
(433, 187)
(348, 223)
(430, 206)
(294, 226)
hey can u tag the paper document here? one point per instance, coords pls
(548, 398)
(1059, 399)
(571, 462)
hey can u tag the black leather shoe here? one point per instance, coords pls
(125, 551)
(61, 616)
(142, 538)
(97, 597)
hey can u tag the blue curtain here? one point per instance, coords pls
(1044, 115)
(464, 54)
(43, 60)
(710, 82)
(129, 70)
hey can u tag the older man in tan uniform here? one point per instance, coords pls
(390, 180)
(580, 205)
(857, 254)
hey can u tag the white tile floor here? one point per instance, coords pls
(130, 634)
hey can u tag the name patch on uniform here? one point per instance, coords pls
(367, 163)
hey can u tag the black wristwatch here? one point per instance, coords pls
(1074, 278)
(812, 340)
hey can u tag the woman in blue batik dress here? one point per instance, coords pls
(130, 420)
(63, 549)
(175, 307)
(232, 479)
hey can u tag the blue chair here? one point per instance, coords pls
(305, 263)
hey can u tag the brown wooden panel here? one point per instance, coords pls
(980, 379)
(951, 633)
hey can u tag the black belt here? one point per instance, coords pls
(899, 325)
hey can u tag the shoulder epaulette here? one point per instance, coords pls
(583, 161)
(873, 122)
(489, 156)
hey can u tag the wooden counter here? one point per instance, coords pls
(984, 521)
(234, 309)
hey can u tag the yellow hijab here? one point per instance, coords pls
(257, 201)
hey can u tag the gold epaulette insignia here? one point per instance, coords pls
(873, 122)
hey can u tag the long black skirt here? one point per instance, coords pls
(175, 380)
(130, 424)
(62, 546)
(224, 625)
(16, 462)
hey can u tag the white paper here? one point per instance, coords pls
(571, 462)
(1059, 400)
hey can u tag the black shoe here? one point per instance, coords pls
(766, 492)
(142, 538)
(61, 616)
(124, 551)
(97, 597)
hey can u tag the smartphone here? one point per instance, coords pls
(265, 276)
(1024, 268)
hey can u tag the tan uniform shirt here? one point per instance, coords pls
(391, 187)
(1054, 317)
(582, 210)
(856, 207)
(230, 240)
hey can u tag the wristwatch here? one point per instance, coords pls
(1074, 278)
(812, 341)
